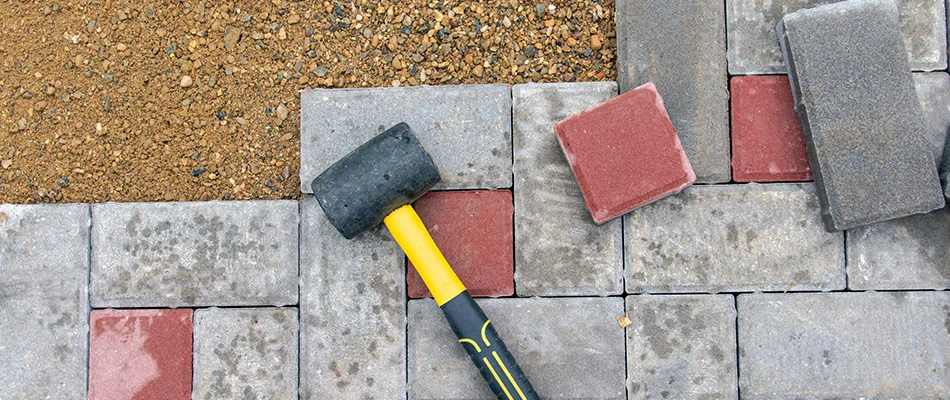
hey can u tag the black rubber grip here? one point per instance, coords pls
(482, 343)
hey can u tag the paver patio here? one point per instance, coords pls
(732, 290)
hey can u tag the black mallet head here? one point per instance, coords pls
(383, 174)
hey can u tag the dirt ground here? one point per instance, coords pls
(182, 100)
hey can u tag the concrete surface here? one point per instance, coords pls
(844, 345)
(352, 311)
(680, 46)
(570, 348)
(241, 253)
(248, 353)
(466, 129)
(558, 249)
(44, 304)
(863, 133)
(754, 48)
(681, 347)
(733, 238)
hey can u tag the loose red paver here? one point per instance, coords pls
(140, 354)
(767, 142)
(624, 153)
(474, 230)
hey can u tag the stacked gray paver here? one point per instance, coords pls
(44, 312)
(466, 129)
(248, 353)
(352, 311)
(680, 46)
(681, 347)
(844, 345)
(933, 94)
(194, 254)
(754, 48)
(570, 348)
(558, 249)
(906, 253)
(733, 238)
(864, 134)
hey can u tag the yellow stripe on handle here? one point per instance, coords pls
(412, 236)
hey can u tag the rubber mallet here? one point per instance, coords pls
(376, 183)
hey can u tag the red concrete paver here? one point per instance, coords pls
(624, 153)
(474, 230)
(767, 143)
(140, 354)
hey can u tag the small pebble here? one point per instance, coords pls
(530, 50)
(121, 47)
(186, 81)
(221, 115)
(62, 182)
(595, 43)
(241, 121)
(282, 112)
(321, 71)
(6, 164)
(107, 104)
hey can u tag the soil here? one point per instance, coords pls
(184, 101)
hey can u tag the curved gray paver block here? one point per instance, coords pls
(754, 49)
(352, 311)
(559, 251)
(44, 312)
(466, 129)
(680, 46)
(844, 345)
(570, 348)
(866, 172)
(248, 353)
(729, 238)
(907, 253)
(237, 253)
(933, 94)
(682, 347)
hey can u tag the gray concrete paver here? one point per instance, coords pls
(558, 249)
(570, 348)
(728, 238)
(248, 353)
(680, 46)
(44, 310)
(844, 345)
(466, 129)
(681, 346)
(194, 254)
(352, 311)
